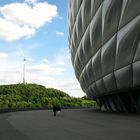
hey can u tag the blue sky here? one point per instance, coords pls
(38, 31)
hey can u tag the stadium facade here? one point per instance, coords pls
(104, 41)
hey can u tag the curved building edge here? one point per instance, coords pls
(104, 42)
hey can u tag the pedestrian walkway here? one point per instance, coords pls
(73, 124)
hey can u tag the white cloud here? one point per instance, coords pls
(59, 33)
(59, 61)
(24, 14)
(49, 73)
(3, 56)
(22, 20)
(70, 86)
(57, 74)
(11, 31)
(45, 68)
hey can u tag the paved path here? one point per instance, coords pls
(69, 125)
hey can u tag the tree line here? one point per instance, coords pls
(33, 95)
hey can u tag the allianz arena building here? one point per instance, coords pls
(104, 41)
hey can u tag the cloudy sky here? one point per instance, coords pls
(36, 30)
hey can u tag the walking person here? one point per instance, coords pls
(56, 109)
